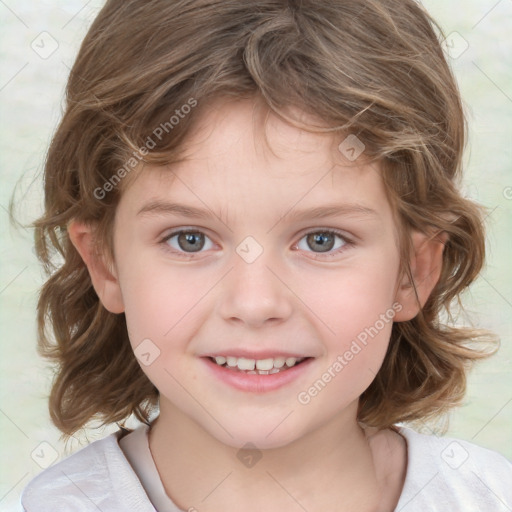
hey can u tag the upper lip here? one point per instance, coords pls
(251, 354)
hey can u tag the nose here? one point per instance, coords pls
(254, 294)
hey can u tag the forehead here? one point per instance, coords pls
(240, 155)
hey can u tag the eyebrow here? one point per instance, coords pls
(332, 210)
(318, 212)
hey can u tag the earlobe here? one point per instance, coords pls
(426, 264)
(103, 280)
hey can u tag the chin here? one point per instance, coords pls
(264, 435)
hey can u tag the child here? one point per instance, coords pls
(311, 150)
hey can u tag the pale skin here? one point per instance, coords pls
(291, 298)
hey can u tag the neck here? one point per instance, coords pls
(330, 468)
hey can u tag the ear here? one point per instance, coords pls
(104, 280)
(426, 264)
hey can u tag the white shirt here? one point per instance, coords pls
(443, 475)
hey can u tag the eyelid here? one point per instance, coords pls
(182, 254)
(341, 233)
(347, 242)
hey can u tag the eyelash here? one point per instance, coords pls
(327, 231)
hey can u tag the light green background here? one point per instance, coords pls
(31, 90)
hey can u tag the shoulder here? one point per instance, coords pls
(454, 474)
(95, 477)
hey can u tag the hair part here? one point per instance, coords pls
(370, 68)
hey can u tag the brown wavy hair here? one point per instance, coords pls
(374, 68)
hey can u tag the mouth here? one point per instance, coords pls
(267, 366)
(258, 375)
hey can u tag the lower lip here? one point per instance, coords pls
(255, 383)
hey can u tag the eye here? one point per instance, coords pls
(327, 241)
(187, 242)
(324, 241)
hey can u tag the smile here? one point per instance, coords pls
(266, 366)
(257, 375)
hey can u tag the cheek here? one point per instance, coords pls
(351, 299)
(158, 299)
(354, 354)
(356, 308)
(160, 308)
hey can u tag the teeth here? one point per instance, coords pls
(265, 364)
(259, 366)
(279, 362)
(246, 364)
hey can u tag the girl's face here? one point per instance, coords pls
(288, 266)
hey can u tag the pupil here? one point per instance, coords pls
(324, 240)
(189, 241)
